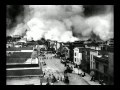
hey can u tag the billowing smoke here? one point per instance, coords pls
(65, 22)
(14, 17)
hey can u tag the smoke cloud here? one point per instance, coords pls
(63, 22)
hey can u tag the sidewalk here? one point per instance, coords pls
(87, 78)
(75, 79)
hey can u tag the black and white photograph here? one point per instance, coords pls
(59, 44)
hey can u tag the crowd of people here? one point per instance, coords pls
(54, 77)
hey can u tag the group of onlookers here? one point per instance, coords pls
(51, 78)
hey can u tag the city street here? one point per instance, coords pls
(57, 68)
(60, 44)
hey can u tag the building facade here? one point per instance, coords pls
(77, 56)
(111, 67)
(85, 62)
(110, 42)
(92, 61)
(101, 68)
(104, 67)
(67, 53)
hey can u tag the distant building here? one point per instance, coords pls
(8, 38)
(88, 41)
(110, 42)
(31, 43)
(22, 40)
(78, 44)
(52, 45)
(9, 44)
(16, 36)
(67, 52)
(94, 46)
(59, 50)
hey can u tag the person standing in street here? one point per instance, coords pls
(62, 78)
(67, 80)
(93, 76)
(53, 78)
(71, 69)
(43, 73)
(50, 79)
(58, 78)
(78, 71)
(84, 74)
(47, 81)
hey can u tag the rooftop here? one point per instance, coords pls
(19, 49)
(92, 44)
(24, 72)
(101, 58)
(20, 55)
(103, 52)
(16, 60)
(32, 43)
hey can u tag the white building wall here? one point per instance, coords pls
(77, 56)
(92, 62)
(76, 51)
